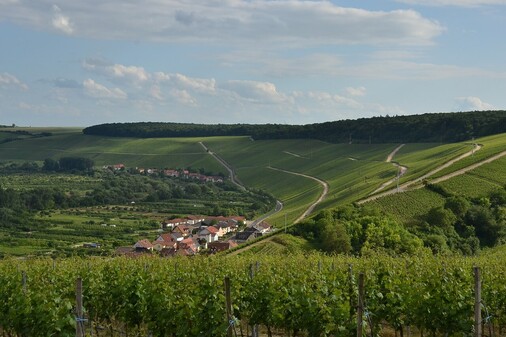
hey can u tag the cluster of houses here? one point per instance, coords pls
(184, 174)
(193, 234)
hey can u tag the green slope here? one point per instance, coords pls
(155, 152)
(352, 170)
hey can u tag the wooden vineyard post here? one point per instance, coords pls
(477, 302)
(228, 300)
(79, 308)
(360, 304)
(254, 327)
(23, 280)
(351, 291)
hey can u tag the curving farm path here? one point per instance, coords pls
(401, 169)
(229, 168)
(235, 181)
(409, 185)
(320, 199)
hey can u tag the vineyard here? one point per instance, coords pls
(302, 295)
(470, 185)
(408, 205)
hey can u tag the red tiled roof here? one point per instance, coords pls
(144, 244)
(167, 237)
(212, 229)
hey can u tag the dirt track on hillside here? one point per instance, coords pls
(320, 199)
(401, 169)
(416, 182)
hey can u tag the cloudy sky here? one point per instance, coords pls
(85, 62)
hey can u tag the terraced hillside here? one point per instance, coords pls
(352, 171)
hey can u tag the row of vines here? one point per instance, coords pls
(306, 295)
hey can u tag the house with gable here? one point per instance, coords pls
(209, 234)
(194, 219)
(190, 245)
(143, 246)
(184, 230)
(164, 241)
(219, 246)
(263, 227)
(246, 235)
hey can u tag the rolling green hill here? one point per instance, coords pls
(352, 171)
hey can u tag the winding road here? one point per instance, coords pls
(409, 185)
(401, 169)
(235, 181)
(320, 199)
(230, 169)
(279, 204)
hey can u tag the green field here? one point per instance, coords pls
(491, 145)
(476, 183)
(408, 205)
(421, 158)
(153, 152)
(352, 171)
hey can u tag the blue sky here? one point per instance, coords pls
(80, 63)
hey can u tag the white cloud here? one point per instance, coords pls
(255, 92)
(472, 103)
(334, 100)
(197, 84)
(460, 3)
(131, 74)
(97, 90)
(8, 80)
(156, 93)
(61, 22)
(358, 91)
(161, 77)
(277, 23)
(182, 96)
(136, 74)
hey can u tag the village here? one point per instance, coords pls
(173, 173)
(194, 235)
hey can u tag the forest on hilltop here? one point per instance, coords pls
(431, 127)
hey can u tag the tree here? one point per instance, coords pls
(51, 165)
(76, 163)
(498, 198)
(440, 217)
(334, 238)
(487, 229)
(458, 205)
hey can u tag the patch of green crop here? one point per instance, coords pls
(422, 158)
(469, 185)
(492, 145)
(408, 205)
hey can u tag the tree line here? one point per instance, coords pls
(430, 127)
(462, 225)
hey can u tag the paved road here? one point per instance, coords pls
(277, 209)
